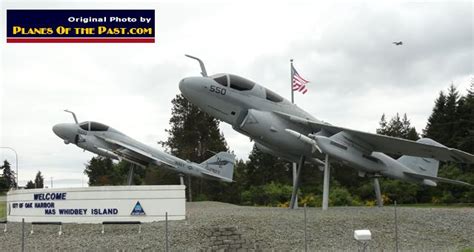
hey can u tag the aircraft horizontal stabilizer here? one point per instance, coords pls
(445, 180)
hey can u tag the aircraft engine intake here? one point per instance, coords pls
(269, 129)
(78, 139)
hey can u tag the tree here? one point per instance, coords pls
(39, 180)
(397, 127)
(195, 135)
(452, 123)
(99, 170)
(443, 121)
(9, 180)
(30, 185)
(263, 168)
(464, 135)
(103, 171)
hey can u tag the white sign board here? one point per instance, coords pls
(97, 204)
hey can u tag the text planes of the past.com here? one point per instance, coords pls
(281, 128)
(106, 141)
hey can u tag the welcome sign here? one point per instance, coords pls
(97, 204)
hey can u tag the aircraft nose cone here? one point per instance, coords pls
(182, 85)
(62, 130)
(57, 130)
(192, 87)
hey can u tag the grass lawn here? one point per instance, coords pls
(3, 210)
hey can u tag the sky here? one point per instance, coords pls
(344, 49)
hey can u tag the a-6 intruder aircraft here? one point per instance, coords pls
(281, 128)
(103, 140)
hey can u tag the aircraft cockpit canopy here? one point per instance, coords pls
(272, 96)
(242, 84)
(234, 81)
(93, 126)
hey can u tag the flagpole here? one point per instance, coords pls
(293, 101)
(291, 81)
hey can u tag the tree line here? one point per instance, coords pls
(8, 179)
(267, 180)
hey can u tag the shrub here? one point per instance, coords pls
(310, 200)
(340, 196)
(272, 194)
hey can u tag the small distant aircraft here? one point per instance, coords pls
(282, 129)
(398, 43)
(103, 140)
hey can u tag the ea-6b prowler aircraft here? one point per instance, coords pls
(281, 128)
(103, 140)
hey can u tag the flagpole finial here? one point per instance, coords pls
(291, 60)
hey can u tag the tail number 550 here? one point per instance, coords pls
(217, 90)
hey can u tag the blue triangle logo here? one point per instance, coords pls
(137, 209)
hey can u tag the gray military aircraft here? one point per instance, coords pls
(103, 140)
(281, 128)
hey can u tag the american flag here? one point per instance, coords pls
(299, 84)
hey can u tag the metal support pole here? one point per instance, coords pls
(396, 226)
(293, 201)
(130, 175)
(326, 183)
(22, 234)
(181, 179)
(378, 194)
(166, 232)
(295, 173)
(190, 194)
(305, 230)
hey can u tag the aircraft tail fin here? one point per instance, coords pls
(221, 165)
(420, 165)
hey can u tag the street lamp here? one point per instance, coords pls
(16, 161)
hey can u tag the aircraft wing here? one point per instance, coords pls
(140, 154)
(445, 180)
(387, 144)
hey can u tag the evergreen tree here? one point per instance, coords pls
(30, 185)
(452, 124)
(263, 168)
(397, 127)
(9, 180)
(99, 170)
(39, 180)
(443, 122)
(194, 135)
(437, 118)
(103, 171)
(464, 135)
